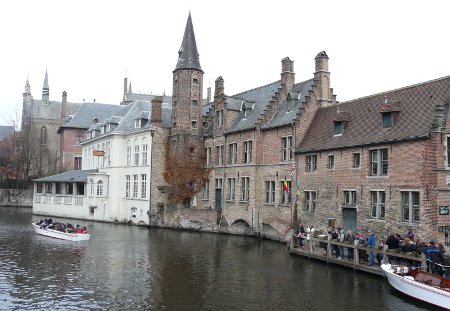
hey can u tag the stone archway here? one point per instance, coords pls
(240, 226)
(269, 232)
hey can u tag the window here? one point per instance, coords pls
(137, 123)
(128, 155)
(356, 160)
(205, 190)
(99, 188)
(387, 119)
(379, 162)
(59, 188)
(330, 164)
(378, 204)
(143, 186)
(92, 187)
(310, 201)
(144, 154)
(245, 189)
(338, 128)
(410, 206)
(311, 163)
(78, 137)
(127, 186)
(194, 124)
(287, 148)
(233, 153)
(77, 163)
(69, 188)
(270, 192)
(194, 103)
(248, 151)
(350, 198)
(136, 155)
(219, 118)
(195, 81)
(219, 150)
(231, 189)
(286, 191)
(38, 187)
(43, 135)
(219, 183)
(208, 156)
(135, 186)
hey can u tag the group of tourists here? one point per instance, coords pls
(437, 261)
(48, 223)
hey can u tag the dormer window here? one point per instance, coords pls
(338, 128)
(386, 119)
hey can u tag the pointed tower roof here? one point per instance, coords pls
(45, 88)
(129, 89)
(188, 57)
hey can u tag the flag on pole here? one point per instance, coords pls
(285, 185)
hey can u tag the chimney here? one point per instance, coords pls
(322, 78)
(219, 87)
(157, 111)
(64, 106)
(287, 74)
(94, 100)
(208, 97)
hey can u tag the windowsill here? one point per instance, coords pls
(337, 135)
(136, 199)
(378, 176)
(375, 220)
(356, 167)
(311, 172)
(242, 201)
(230, 201)
(205, 199)
(330, 168)
(269, 204)
(411, 224)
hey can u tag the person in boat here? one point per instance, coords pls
(84, 230)
(435, 257)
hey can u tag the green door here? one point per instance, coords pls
(350, 218)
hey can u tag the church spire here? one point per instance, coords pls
(188, 57)
(129, 89)
(45, 88)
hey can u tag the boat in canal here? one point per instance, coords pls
(431, 288)
(61, 235)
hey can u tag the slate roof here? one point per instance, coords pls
(415, 105)
(148, 97)
(288, 109)
(5, 131)
(188, 57)
(258, 98)
(84, 116)
(70, 176)
(52, 110)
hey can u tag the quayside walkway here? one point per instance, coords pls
(321, 249)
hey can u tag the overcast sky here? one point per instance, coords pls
(88, 46)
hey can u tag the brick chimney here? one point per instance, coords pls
(322, 78)
(287, 74)
(219, 89)
(64, 106)
(157, 111)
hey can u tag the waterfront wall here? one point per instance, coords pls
(16, 197)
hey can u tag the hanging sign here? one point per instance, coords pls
(98, 153)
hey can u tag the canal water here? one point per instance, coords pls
(137, 268)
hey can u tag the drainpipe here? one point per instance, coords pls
(294, 184)
(150, 179)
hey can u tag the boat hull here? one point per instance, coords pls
(61, 235)
(421, 291)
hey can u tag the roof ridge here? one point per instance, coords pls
(397, 89)
(259, 87)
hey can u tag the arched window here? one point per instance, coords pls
(43, 135)
(100, 188)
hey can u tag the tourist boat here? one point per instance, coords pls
(418, 284)
(61, 235)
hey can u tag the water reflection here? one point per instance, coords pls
(125, 267)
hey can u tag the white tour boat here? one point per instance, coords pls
(61, 235)
(418, 284)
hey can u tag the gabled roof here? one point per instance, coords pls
(414, 118)
(288, 109)
(52, 109)
(70, 176)
(84, 116)
(188, 57)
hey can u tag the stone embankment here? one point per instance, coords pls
(16, 197)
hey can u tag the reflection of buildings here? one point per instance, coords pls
(378, 162)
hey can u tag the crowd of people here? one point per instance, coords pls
(437, 261)
(48, 223)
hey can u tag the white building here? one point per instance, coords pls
(114, 183)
